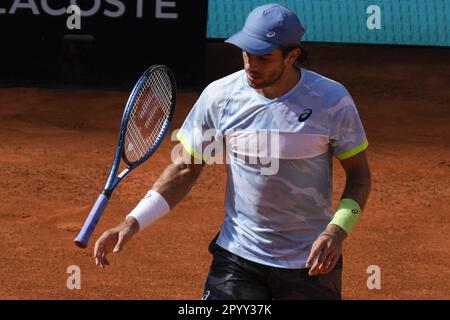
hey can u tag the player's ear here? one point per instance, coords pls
(299, 52)
(294, 54)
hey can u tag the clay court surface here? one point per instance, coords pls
(56, 151)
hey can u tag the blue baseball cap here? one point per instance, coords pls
(268, 27)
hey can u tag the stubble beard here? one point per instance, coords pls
(270, 81)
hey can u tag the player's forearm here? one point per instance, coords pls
(353, 200)
(357, 188)
(176, 181)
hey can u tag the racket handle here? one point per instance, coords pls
(89, 225)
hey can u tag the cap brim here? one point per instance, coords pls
(251, 45)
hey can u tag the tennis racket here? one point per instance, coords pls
(145, 121)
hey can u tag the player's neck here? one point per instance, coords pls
(285, 83)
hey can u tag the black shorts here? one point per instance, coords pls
(234, 278)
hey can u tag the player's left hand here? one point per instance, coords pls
(326, 250)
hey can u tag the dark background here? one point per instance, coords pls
(39, 50)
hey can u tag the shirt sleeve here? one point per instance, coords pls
(347, 135)
(201, 127)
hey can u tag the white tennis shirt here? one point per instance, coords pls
(279, 161)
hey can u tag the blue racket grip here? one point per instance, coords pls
(89, 225)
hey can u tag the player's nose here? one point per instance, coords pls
(250, 61)
(251, 67)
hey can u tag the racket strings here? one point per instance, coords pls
(148, 116)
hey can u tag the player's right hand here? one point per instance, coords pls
(113, 240)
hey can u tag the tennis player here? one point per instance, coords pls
(280, 238)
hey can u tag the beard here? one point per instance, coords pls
(258, 81)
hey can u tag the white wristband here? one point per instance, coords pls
(152, 207)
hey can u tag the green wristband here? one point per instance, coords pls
(347, 213)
